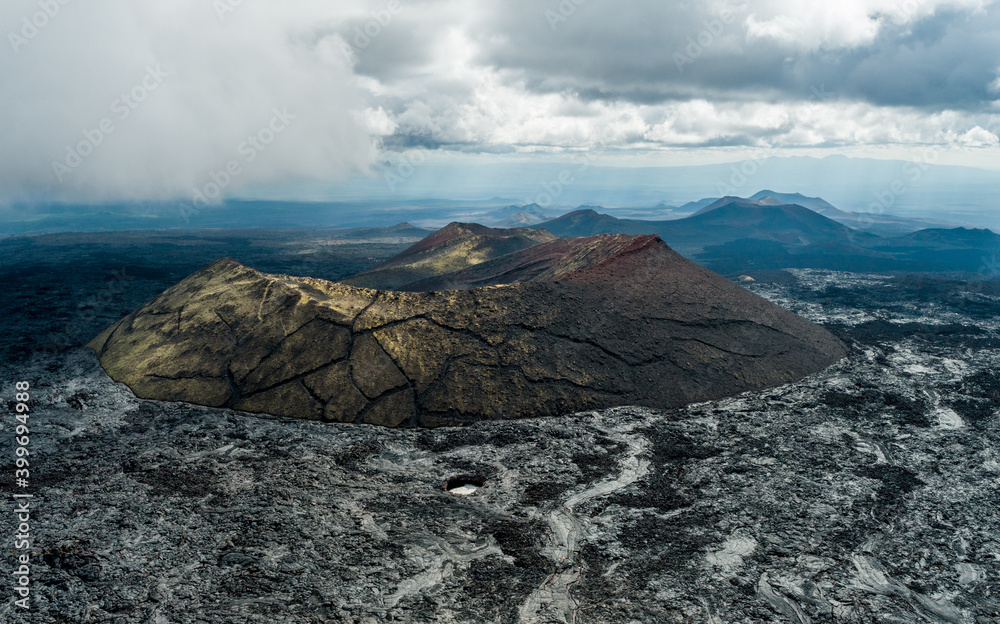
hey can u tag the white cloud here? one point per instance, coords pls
(376, 121)
(841, 24)
(224, 78)
(496, 116)
(979, 137)
(460, 99)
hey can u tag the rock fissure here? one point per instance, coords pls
(312, 394)
(183, 376)
(362, 313)
(295, 378)
(436, 383)
(227, 324)
(107, 341)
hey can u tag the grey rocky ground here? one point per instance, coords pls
(867, 493)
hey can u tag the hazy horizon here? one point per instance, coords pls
(402, 100)
(431, 192)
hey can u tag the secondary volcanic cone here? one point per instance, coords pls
(573, 324)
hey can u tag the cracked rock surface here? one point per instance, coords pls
(637, 323)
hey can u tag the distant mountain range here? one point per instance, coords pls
(816, 204)
(734, 234)
(959, 194)
(730, 236)
(401, 232)
(514, 216)
(721, 221)
(875, 222)
(431, 213)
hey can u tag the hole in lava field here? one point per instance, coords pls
(463, 485)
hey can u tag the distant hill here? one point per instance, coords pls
(513, 209)
(816, 204)
(955, 237)
(722, 221)
(539, 263)
(770, 198)
(878, 223)
(736, 234)
(737, 201)
(695, 206)
(401, 231)
(787, 223)
(455, 247)
(513, 216)
(522, 219)
(589, 222)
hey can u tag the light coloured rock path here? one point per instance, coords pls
(553, 600)
(871, 577)
(440, 558)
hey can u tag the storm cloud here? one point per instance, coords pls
(149, 100)
(166, 97)
(588, 74)
(670, 51)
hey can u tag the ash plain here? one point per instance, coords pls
(866, 493)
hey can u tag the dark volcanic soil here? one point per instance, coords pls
(866, 494)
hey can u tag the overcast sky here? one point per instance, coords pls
(148, 99)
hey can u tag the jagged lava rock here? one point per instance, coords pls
(594, 323)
